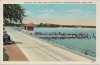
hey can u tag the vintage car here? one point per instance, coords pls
(6, 38)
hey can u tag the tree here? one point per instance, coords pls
(14, 13)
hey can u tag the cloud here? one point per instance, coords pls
(78, 12)
(74, 11)
(28, 13)
(47, 11)
(47, 14)
(44, 17)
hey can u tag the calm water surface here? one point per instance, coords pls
(87, 46)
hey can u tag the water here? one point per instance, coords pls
(85, 46)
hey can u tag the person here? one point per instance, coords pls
(6, 38)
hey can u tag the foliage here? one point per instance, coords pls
(13, 13)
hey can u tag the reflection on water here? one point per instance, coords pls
(86, 46)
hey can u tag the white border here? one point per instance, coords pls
(62, 63)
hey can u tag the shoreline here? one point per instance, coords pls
(57, 45)
(52, 50)
(76, 52)
(73, 51)
(70, 50)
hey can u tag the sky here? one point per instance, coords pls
(68, 14)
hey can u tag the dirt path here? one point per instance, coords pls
(14, 53)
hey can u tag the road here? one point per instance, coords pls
(39, 50)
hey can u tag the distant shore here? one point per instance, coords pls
(53, 25)
(57, 25)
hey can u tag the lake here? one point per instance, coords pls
(85, 46)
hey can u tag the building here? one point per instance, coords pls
(29, 26)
